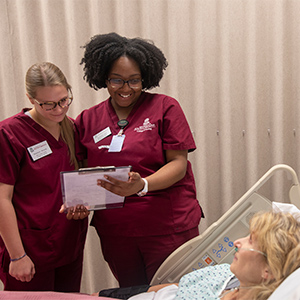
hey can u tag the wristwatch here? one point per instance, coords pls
(144, 191)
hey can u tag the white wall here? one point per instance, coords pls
(233, 66)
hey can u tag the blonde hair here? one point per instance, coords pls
(47, 74)
(278, 235)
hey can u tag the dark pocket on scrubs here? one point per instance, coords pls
(38, 245)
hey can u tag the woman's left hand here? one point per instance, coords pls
(123, 188)
(173, 171)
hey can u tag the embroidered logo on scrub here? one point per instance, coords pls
(146, 126)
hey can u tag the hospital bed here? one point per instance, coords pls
(215, 245)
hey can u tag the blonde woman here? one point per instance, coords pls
(39, 248)
(263, 260)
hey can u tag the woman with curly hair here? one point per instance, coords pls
(150, 133)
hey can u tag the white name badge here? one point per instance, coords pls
(101, 135)
(39, 150)
(116, 143)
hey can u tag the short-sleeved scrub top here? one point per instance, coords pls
(49, 239)
(155, 124)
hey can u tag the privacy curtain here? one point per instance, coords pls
(234, 66)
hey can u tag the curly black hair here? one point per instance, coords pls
(103, 49)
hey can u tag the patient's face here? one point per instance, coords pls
(248, 265)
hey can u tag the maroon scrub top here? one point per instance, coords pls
(156, 123)
(49, 239)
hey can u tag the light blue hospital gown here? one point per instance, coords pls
(206, 283)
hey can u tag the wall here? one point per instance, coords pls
(233, 66)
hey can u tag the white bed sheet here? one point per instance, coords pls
(166, 293)
(288, 290)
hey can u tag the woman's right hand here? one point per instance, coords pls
(22, 269)
(78, 213)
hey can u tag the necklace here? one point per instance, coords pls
(237, 289)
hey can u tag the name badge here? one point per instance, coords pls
(116, 143)
(101, 135)
(39, 150)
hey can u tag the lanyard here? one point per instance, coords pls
(122, 124)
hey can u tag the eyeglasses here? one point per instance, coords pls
(250, 249)
(118, 83)
(63, 103)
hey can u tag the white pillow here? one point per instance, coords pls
(289, 288)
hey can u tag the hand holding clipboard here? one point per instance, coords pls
(81, 187)
(120, 187)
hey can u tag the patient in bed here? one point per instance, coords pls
(263, 259)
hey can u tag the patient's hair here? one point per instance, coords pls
(278, 235)
(104, 49)
(47, 74)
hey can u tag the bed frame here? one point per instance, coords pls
(215, 245)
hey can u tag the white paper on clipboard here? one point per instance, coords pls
(80, 187)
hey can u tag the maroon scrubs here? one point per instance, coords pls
(54, 244)
(156, 124)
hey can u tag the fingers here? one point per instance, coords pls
(26, 278)
(112, 179)
(22, 270)
(78, 213)
(114, 188)
(62, 209)
(134, 176)
(122, 188)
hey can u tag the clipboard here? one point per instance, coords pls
(80, 187)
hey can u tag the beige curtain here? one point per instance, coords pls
(234, 67)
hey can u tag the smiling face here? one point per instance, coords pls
(49, 94)
(250, 267)
(124, 98)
